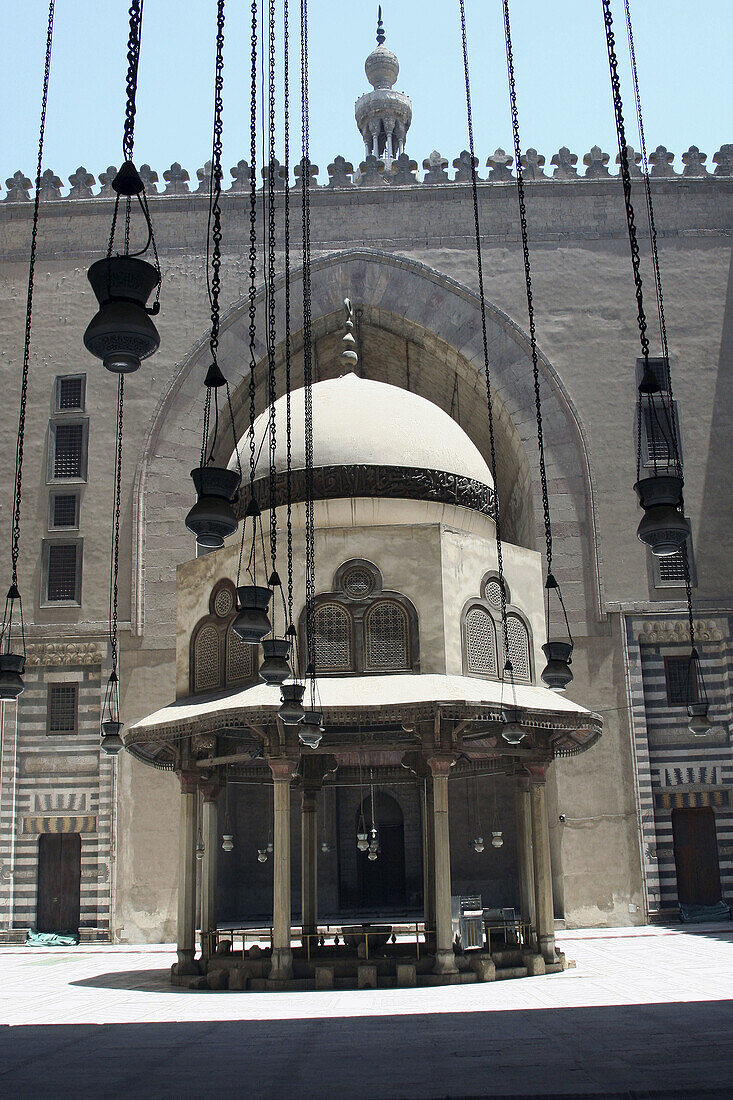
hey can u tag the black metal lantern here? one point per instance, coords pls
(664, 528)
(213, 517)
(511, 730)
(121, 333)
(112, 742)
(12, 667)
(291, 704)
(275, 668)
(556, 674)
(252, 623)
(310, 730)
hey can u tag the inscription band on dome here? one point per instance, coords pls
(393, 482)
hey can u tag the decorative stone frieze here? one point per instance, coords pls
(661, 162)
(634, 160)
(667, 632)
(532, 164)
(435, 168)
(565, 162)
(278, 175)
(403, 171)
(176, 180)
(723, 160)
(372, 172)
(63, 653)
(18, 187)
(240, 175)
(340, 173)
(50, 185)
(462, 164)
(694, 162)
(595, 162)
(149, 178)
(105, 178)
(203, 175)
(312, 174)
(500, 164)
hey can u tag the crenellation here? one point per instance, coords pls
(401, 171)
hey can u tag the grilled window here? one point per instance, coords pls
(492, 594)
(68, 451)
(64, 510)
(332, 638)
(206, 659)
(62, 568)
(70, 393)
(240, 658)
(672, 569)
(480, 643)
(681, 687)
(518, 654)
(62, 714)
(386, 637)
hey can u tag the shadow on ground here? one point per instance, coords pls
(669, 1051)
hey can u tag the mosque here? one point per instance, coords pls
(445, 820)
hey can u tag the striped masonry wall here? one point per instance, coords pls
(60, 783)
(674, 768)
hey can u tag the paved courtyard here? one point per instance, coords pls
(646, 1013)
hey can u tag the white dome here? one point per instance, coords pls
(357, 421)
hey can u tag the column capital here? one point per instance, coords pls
(189, 782)
(537, 773)
(440, 765)
(210, 789)
(282, 767)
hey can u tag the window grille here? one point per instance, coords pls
(518, 654)
(676, 675)
(657, 435)
(64, 510)
(62, 708)
(492, 594)
(68, 450)
(70, 393)
(358, 583)
(206, 659)
(223, 602)
(61, 577)
(332, 645)
(386, 638)
(240, 656)
(672, 569)
(480, 642)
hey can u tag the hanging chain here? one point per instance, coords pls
(253, 234)
(17, 494)
(116, 506)
(214, 235)
(133, 60)
(270, 280)
(528, 281)
(288, 378)
(307, 340)
(487, 366)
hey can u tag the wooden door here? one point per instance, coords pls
(696, 856)
(59, 882)
(382, 881)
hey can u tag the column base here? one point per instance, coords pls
(445, 963)
(546, 947)
(186, 963)
(281, 969)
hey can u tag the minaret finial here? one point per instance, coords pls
(380, 28)
(349, 356)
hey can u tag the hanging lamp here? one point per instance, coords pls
(12, 649)
(227, 837)
(697, 697)
(122, 333)
(558, 649)
(213, 517)
(497, 833)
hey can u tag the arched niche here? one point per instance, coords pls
(405, 309)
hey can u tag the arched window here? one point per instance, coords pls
(218, 658)
(206, 659)
(518, 638)
(483, 637)
(479, 640)
(332, 643)
(359, 627)
(386, 637)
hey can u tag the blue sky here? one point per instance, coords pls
(683, 51)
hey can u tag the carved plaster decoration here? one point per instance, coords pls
(676, 633)
(63, 653)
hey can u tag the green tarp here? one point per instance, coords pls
(51, 939)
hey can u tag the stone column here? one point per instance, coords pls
(525, 864)
(445, 962)
(282, 958)
(209, 869)
(309, 860)
(187, 875)
(544, 908)
(428, 856)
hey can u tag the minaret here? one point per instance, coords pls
(383, 115)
